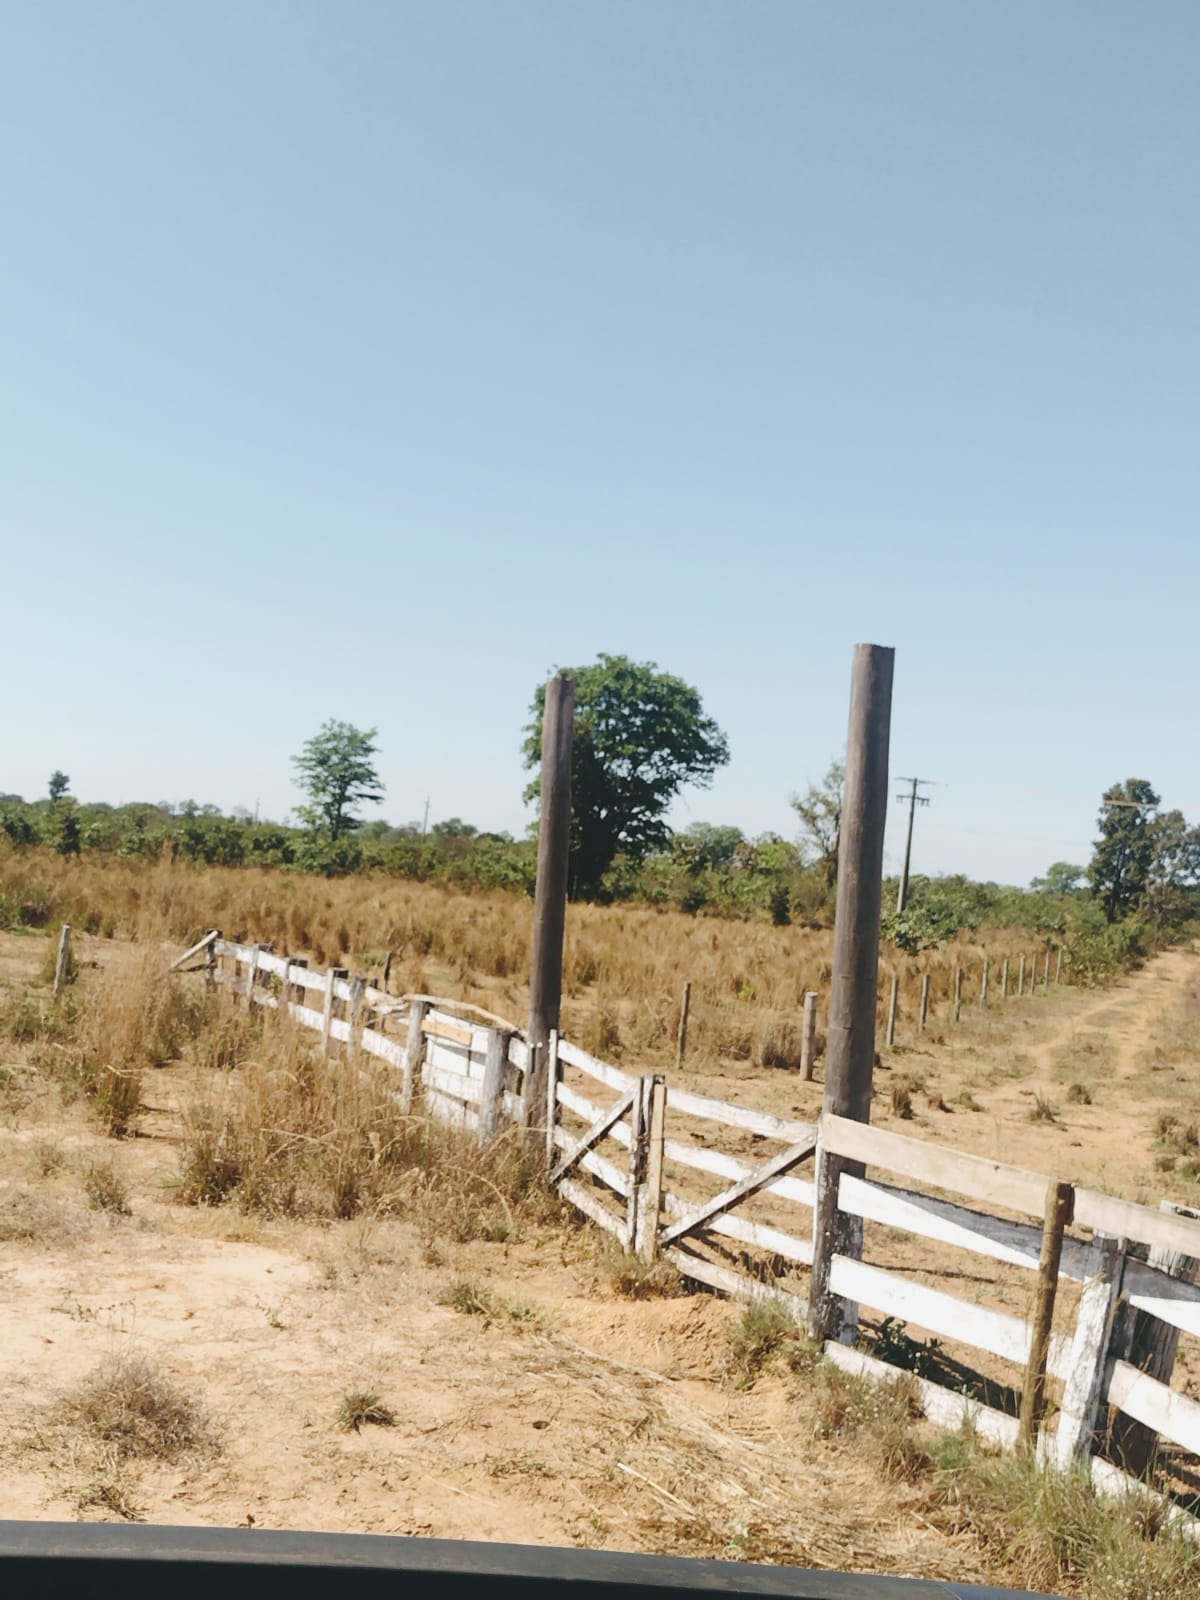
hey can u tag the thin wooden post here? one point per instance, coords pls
(892, 1004)
(638, 1155)
(1058, 967)
(1004, 980)
(1151, 1346)
(1060, 1207)
(808, 1035)
(491, 1103)
(210, 965)
(332, 976)
(850, 1053)
(62, 965)
(1046, 975)
(414, 1051)
(957, 993)
(1088, 1363)
(681, 1036)
(1021, 979)
(357, 986)
(983, 982)
(252, 976)
(550, 895)
(551, 1107)
(387, 972)
(651, 1207)
(924, 1001)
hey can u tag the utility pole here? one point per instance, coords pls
(425, 823)
(914, 800)
(550, 892)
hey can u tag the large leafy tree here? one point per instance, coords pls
(1123, 858)
(640, 736)
(336, 770)
(820, 811)
(59, 784)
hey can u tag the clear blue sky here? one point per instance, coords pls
(369, 360)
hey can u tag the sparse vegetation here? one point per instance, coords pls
(360, 1407)
(634, 1279)
(766, 1331)
(106, 1188)
(1043, 1110)
(130, 1404)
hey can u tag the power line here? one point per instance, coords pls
(914, 800)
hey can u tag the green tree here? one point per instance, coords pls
(1060, 878)
(820, 811)
(1123, 856)
(707, 844)
(336, 771)
(640, 736)
(59, 784)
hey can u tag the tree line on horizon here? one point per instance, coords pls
(640, 737)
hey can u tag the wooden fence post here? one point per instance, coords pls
(1021, 979)
(64, 958)
(1088, 1364)
(1058, 967)
(1151, 1346)
(957, 993)
(850, 1053)
(638, 1153)
(655, 1121)
(414, 1051)
(892, 1004)
(808, 1036)
(681, 1037)
(491, 1103)
(924, 1001)
(1060, 1207)
(331, 978)
(387, 972)
(550, 894)
(357, 986)
(551, 1107)
(983, 985)
(296, 993)
(252, 975)
(210, 965)
(1004, 980)
(1046, 975)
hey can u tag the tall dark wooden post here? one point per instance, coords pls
(850, 1032)
(550, 897)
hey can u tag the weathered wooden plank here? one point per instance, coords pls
(437, 1027)
(652, 1195)
(943, 1407)
(975, 1176)
(375, 1044)
(1172, 1299)
(340, 1029)
(760, 1122)
(306, 1016)
(587, 1201)
(716, 1161)
(734, 1284)
(573, 1056)
(454, 1084)
(1018, 1243)
(997, 1331)
(743, 1188)
(1165, 1410)
(756, 1233)
(578, 1103)
(1084, 1385)
(518, 1052)
(576, 1147)
(592, 1161)
(201, 945)
(1122, 1219)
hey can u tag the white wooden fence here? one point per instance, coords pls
(638, 1157)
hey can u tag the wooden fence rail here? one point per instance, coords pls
(667, 1171)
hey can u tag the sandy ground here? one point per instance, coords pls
(566, 1415)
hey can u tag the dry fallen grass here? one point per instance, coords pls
(625, 966)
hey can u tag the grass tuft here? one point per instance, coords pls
(362, 1406)
(129, 1404)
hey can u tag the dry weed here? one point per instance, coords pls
(128, 1404)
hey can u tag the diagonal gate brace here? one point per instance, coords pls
(744, 1187)
(593, 1135)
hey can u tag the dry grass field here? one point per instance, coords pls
(381, 1330)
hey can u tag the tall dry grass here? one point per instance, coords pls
(624, 970)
